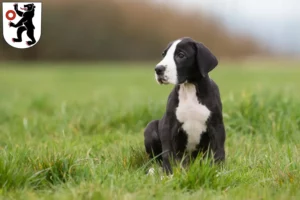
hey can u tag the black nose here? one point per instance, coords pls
(159, 69)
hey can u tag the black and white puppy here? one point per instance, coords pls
(193, 121)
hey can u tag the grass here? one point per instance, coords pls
(77, 133)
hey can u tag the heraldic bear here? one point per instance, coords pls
(25, 24)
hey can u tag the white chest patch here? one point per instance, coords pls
(192, 114)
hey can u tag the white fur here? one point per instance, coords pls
(168, 61)
(151, 171)
(169, 177)
(192, 114)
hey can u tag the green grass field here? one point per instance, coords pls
(77, 133)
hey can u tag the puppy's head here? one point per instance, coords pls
(184, 60)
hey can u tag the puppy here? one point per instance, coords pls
(193, 121)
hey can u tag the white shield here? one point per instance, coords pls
(22, 23)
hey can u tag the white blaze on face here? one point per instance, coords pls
(168, 61)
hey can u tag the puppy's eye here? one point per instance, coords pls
(163, 54)
(180, 55)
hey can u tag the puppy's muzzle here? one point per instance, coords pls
(160, 73)
(160, 69)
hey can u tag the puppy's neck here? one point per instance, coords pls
(201, 86)
(187, 91)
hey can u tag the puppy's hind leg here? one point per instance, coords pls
(152, 142)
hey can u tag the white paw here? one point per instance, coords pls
(169, 177)
(151, 172)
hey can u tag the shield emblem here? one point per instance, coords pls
(22, 23)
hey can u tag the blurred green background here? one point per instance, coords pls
(73, 107)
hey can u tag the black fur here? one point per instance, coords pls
(165, 137)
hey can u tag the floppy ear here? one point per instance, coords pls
(206, 60)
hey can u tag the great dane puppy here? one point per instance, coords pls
(193, 121)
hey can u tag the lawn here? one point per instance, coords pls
(77, 133)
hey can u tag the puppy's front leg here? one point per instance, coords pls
(168, 151)
(167, 156)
